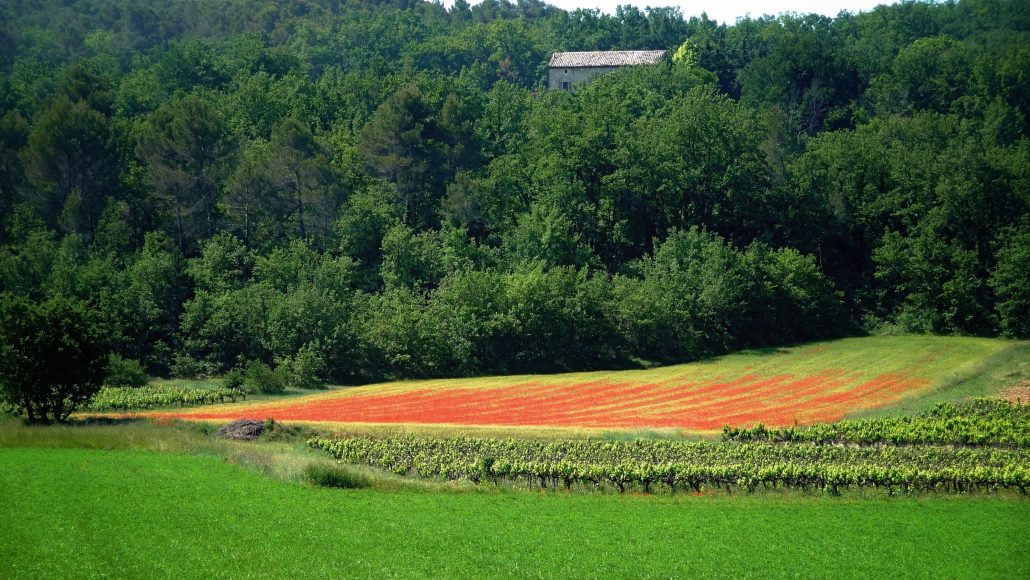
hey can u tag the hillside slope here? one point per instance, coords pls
(804, 384)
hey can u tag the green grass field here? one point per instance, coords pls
(89, 513)
(139, 498)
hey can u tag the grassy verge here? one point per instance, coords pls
(84, 513)
(284, 457)
(978, 378)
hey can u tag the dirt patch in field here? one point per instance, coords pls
(1020, 392)
(243, 429)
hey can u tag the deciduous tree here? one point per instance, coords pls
(51, 360)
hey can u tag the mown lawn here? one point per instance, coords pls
(83, 513)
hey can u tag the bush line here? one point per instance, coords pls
(133, 398)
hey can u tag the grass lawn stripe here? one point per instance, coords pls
(85, 513)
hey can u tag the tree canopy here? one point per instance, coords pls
(51, 361)
(357, 190)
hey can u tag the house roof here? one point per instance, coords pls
(605, 58)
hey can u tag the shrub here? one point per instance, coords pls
(276, 431)
(308, 369)
(187, 367)
(283, 377)
(260, 378)
(125, 372)
(233, 379)
(335, 476)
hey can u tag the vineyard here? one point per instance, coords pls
(149, 397)
(946, 465)
(981, 422)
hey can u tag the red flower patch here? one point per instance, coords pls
(700, 406)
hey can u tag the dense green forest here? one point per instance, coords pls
(360, 189)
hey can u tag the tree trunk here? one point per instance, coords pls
(294, 182)
(178, 227)
(246, 224)
(29, 410)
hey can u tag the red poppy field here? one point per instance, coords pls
(801, 385)
(694, 406)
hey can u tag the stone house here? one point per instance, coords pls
(568, 69)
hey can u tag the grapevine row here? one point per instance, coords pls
(131, 398)
(678, 466)
(981, 422)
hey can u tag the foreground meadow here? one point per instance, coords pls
(801, 385)
(87, 513)
(131, 497)
(939, 493)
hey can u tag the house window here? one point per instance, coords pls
(566, 86)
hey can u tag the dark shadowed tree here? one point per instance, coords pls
(299, 169)
(186, 149)
(1011, 283)
(253, 209)
(405, 145)
(362, 227)
(51, 361)
(70, 165)
(14, 133)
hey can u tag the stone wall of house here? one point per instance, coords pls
(575, 76)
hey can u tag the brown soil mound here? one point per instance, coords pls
(1020, 392)
(245, 429)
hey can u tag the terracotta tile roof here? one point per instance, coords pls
(605, 58)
